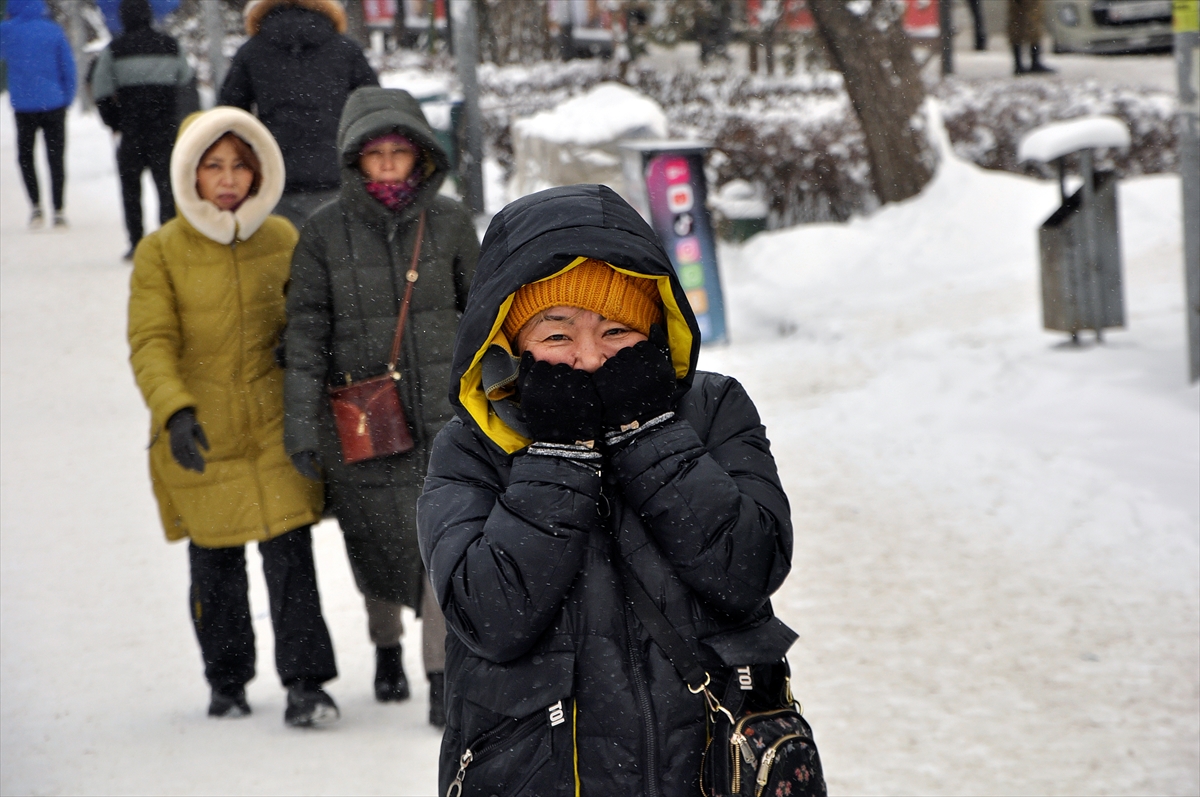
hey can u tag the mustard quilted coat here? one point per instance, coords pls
(206, 309)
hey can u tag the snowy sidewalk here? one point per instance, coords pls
(997, 568)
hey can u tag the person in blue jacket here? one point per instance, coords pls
(41, 81)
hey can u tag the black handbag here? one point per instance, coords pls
(759, 744)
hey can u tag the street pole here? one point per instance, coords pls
(946, 28)
(465, 32)
(214, 28)
(1187, 62)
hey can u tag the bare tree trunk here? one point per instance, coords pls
(874, 55)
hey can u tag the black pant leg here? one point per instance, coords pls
(158, 158)
(27, 127)
(221, 614)
(303, 647)
(130, 164)
(54, 131)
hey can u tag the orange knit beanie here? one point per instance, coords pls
(592, 285)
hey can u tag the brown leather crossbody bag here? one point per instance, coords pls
(369, 417)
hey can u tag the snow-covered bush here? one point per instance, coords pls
(987, 118)
(797, 136)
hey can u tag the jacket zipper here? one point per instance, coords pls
(738, 743)
(641, 690)
(764, 770)
(642, 693)
(237, 282)
(486, 749)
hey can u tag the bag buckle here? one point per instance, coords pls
(714, 705)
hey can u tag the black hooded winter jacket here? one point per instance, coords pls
(552, 683)
(297, 72)
(137, 79)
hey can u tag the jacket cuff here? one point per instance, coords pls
(581, 476)
(163, 412)
(640, 464)
(300, 435)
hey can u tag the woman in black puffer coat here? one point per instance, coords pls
(585, 437)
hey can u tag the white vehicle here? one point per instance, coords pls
(1109, 26)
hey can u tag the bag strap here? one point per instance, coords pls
(410, 278)
(661, 630)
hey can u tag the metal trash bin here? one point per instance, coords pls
(1080, 244)
(1081, 284)
(741, 210)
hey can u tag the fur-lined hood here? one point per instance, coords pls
(257, 10)
(196, 135)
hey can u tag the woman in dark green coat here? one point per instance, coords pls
(347, 283)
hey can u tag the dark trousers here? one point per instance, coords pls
(54, 133)
(221, 612)
(976, 7)
(134, 156)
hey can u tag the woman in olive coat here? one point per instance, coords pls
(348, 280)
(206, 308)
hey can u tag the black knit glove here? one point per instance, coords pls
(637, 384)
(308, 464)
(560, 404)
(186, 432)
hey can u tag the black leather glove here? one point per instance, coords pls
(308, 463)
(186, 432)
(560, 404)
(637, 383)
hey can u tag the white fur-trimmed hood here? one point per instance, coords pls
(197, 134)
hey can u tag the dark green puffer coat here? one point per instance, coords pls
(347, 282)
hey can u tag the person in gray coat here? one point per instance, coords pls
(347, 284)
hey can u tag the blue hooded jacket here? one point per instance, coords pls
(111, 9)
(41, 68)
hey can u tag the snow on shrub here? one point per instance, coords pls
(797, 136)
(987, 118)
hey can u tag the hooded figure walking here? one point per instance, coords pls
(348, 280)
(296, 71)
(135, 84)
(206, 306)
(41, 85)
(587, 450)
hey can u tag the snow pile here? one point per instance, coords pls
(997, 554)
(420, 83)
(578, 141)
(738, 199)
(1048, 142)
(605, 114)
(996, 577)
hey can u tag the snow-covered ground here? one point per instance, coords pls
(997, 570)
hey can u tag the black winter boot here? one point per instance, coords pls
(1035, 61)
(437, 699)
(309, 706)
(228, 703)
(1018, 66)
(391, 685)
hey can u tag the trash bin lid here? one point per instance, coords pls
(681, 146)
(1052, 141)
